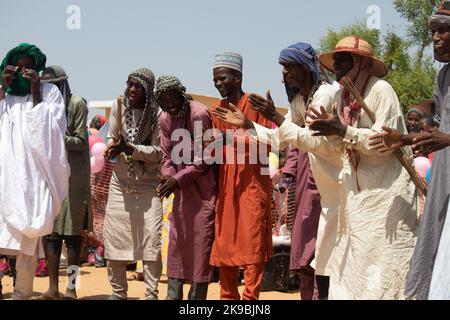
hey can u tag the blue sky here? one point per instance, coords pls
(176, 37)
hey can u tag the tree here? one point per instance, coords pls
(417, 13)
(328, 42)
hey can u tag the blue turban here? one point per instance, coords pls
(303, 54)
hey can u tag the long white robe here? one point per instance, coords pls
(34, 172)
(376, 226)
(325, 158)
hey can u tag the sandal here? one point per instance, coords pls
(44, 297)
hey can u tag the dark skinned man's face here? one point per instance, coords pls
(295, 76)
(25, 63)
(226, 81)
(441, 43)
(136, 93)
(343, 63)
(172, 101)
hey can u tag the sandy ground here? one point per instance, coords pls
(94, 285)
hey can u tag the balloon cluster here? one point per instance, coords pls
(97, 148)
(423, 167)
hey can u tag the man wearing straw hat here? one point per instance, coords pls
(376, 232)
(377, 211)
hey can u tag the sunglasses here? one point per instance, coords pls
(137, 85)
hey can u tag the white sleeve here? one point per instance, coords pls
(44, 134)
(303, 139)
(385, 105)
(325, 97)
(2, 108)
(265, 135)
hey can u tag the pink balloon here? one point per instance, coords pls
(93, 140)
(97, 164)
(98, 150)
(422, 165)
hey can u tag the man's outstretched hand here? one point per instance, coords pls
(233, 116)
(266, 107)
(324, 124)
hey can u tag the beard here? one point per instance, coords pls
(441, 51)
(442, 57)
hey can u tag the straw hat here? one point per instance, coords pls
(357, 46)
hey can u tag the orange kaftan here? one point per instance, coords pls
(243, 226)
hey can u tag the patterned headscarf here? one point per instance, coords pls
(171, 83)
(142, 132)
(21, 86)
(351, 111)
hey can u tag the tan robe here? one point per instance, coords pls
(133, 218)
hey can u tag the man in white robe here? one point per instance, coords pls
(34, 171)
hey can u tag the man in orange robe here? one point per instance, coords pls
(243, 229)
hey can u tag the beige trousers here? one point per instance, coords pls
(117, 276)
(25, 268)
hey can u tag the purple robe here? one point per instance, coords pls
(307, 204)
(192, 218)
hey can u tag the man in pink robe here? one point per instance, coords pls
(192, 219)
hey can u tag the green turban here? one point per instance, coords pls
(21, 86)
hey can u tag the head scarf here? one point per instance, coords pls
(141, 133)
(170, 83)
(416, 110)
(21, 86)
(60, 79)
(303, 54)
(351, 111)
(423, 109)
(228, 59)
